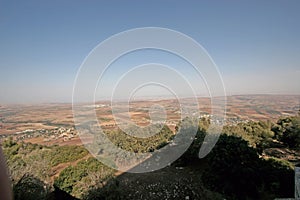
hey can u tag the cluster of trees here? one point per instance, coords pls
(287, 131)
(258, 134)
(79, 179)
(149, 143)
(234, 168)
(63, 154)
(261, 135)
(30, 166)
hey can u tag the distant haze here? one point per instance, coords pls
(255, 45)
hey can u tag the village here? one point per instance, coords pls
(47, 134)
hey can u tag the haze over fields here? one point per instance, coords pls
(15, 119)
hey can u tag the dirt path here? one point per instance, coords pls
(58, 168)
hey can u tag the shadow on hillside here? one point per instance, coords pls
(59, 194)
(233, 164)
(32, 188)
(168, 183)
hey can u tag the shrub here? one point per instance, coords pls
(287, 130)
(236, 170)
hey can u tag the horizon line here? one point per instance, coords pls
(144, 98)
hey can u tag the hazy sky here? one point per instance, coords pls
(255, 44)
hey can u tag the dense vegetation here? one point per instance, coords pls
(30, 166)
(258, 134)
(149, 143)
(236, 170)
(76, 180)
(237, 167)
(287, 131)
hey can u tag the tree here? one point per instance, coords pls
(31, 188)
(232, 168)
(75, 180)
(258, 134)
(287, 130)
(236, 170)
(191, 155)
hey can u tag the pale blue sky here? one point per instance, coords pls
(255, 44)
